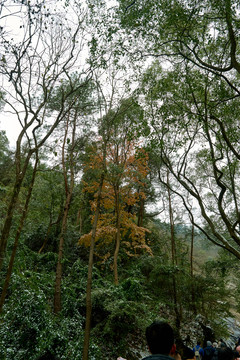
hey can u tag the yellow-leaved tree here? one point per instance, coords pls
(123, 194)
(114, 188)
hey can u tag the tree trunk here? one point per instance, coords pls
(118, 237)
(60, 216)
(23, 217)
(68, 191)
(191, 271)
(46, 238)
(20, 173)
(141, 212)
(8, 220)
(89, 279)
(57, 293)
(79, 221)
(174, 259)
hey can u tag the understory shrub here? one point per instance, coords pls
(28, 327)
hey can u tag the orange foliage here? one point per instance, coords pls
(125, 180)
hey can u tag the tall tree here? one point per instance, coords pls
(90, 264)
(125, 182)
(17, 236)
(104, 105)
(174, 257)
(43, 54)
(198, 40)
(106, 124)
(82, 102)
(123, 189)
(200, 153)
(69, 186)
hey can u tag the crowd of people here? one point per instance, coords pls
(216, 351)
(161, 345)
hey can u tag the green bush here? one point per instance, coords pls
(29, 329)
(26, 319)
(132, 289)
(115, 315)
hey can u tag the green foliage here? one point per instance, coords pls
(28, 327)
(81, 94)
(46, 202)
(7, 175)
(6, 159)
(116, 312)
(27, 318)
(132, 289)
(178, 111)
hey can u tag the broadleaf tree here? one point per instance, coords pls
(36, 60)
(124, 187)
(125, 184)
(195, 117)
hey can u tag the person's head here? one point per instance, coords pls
(160, 338)
(209, 343)
(225, 353)
(238, 349)
(215, 344)
(199, 342)
(188, 354)
(221, 343)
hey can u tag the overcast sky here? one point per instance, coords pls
(11, 126)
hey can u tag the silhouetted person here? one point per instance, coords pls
(225, 353)
(208, 351)
(188, 354)
(160, 340)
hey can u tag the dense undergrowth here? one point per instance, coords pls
(29, 329)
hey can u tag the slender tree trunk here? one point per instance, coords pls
(89, 279)
(57, 293)
(18, 233)
(118, 236)
(191, 271)
(68, 191)
(46, 238)
(20, 173)
(79, 221)
(191, 251)
(141, 212)
(8, 220)
(174, 259)
(91, 253)
(60, 216)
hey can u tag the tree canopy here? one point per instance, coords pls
(121, 194)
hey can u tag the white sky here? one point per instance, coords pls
(10, 20)
(11, 126)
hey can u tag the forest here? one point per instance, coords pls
(119, 175)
